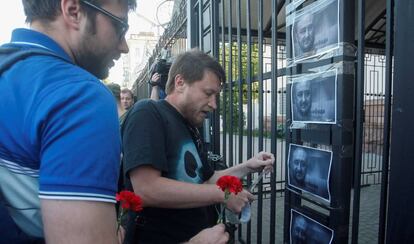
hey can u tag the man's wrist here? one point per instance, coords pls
(245, 169)
(153, 83)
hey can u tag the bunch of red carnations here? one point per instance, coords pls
(128, 201)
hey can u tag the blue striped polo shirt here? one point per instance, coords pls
(59, 134)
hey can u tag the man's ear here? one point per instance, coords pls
(179, 83)
(71, 13)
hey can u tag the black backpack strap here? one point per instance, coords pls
(11, 55)
(121, 182)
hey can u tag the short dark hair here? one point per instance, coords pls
(115, 89)
(192, 65)
(126, 90)
(50, 9)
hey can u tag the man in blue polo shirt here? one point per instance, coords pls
(59, 133)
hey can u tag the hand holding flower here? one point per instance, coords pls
(235, 203)
(128, 201)
(229, 184)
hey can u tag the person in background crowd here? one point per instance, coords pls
(155, 88)
(127, 98)
(116, 91)
(159, 76)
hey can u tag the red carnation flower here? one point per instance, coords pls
(229, 183)
(129, 200)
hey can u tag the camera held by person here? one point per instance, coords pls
(159, 76)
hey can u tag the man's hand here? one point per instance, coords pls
(261, 161)
(214, 235)
(155, 79)
(235, 203)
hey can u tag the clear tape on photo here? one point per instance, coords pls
(326, 45)
(339, 68)
(292, 13)
(335, 50)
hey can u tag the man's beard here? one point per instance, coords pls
(93, 62)
(300, 178)
(304, 110)
(307, 45)
(91, 58)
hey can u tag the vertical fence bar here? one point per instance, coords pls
(240, 84)
(260, 144)
(389, 51)
(191, 27)
(215, 52)
(359, 120)
(240, 81)
(224, 90)
(400, 210)
(230, 79)
(200, 25)
(272, 226)
(249, 99)
(366, 122)
(288, 135)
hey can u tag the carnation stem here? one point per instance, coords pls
(120, 219)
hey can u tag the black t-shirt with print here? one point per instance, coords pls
(156, 134)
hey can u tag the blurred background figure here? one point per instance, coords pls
(159, 77)
(116, 91)
(127, 99)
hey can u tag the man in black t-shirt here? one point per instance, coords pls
(163, 157)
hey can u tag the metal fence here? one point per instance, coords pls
(254, 107)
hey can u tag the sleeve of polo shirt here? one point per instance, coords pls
(80, 150)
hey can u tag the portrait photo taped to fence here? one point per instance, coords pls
(309, 170)
(313, 98)
(315, 30)
(305, 230)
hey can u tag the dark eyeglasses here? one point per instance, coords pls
(120, 25)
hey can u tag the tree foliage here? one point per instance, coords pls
(237, 81)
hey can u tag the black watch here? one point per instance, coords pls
(152, 83)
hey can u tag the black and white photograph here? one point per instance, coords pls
(313, 98)
(315, 30)
(305, 230)
(309, 170)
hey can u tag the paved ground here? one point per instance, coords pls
(368, 228)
